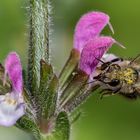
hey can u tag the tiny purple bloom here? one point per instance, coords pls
(93, 52)
(12, 104)
(89, 26)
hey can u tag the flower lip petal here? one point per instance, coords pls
(89, 26)
(93, 52)
(10, 110)
(13, 69)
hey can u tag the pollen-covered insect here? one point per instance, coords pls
(120, 76)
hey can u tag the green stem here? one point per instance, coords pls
(38, 41)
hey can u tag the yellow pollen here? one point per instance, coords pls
(128, 72)
(128, 76)
(11, 101)
(129, 81)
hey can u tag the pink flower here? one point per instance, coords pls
(89, 26)
(88, 41)
(12, 104)
(93, 52)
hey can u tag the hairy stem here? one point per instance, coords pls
(38, 41)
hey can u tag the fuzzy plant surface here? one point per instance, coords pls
(44, 104)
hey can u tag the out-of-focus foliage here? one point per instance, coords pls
(111, 118)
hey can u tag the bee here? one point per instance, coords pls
(121, 77)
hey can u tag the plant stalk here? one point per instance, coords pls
(38, 41)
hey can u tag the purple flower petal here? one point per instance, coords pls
(14, 70)
(93, 52)
(89, 26)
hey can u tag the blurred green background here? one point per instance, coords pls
(113, 118)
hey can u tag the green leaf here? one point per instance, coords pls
(77, 83)
(62, 128)
(38, 41)
(46, 73)
(69, 68)
(28, 125)
(52, 94)
(80, 98)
